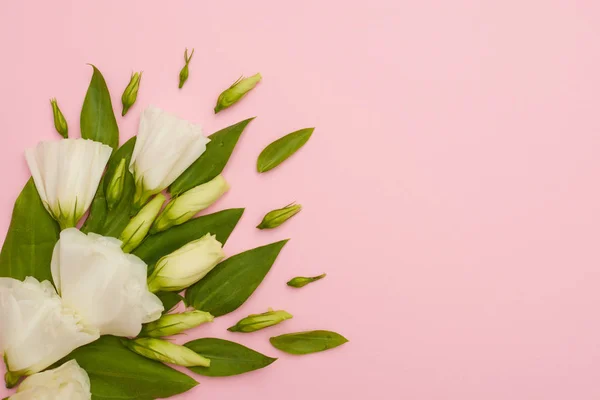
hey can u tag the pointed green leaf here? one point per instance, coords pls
(281, 149)
(98, 120)
(227, 358)
(100, 219)
(233, 281)
(169, 299)
(30, 239)
(220, 224)
(212, 162)
(117, 373)
(307, 342)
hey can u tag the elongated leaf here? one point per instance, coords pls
(281, 149)
(307, 342)
(31, 237)
(98, 210)
(112, 222)
(118, 373)
(212, 162)
(98, 120)
(233, 281)
(220, 224)
(227, 358)
(169, 300)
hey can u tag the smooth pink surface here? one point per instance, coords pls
(450, 189)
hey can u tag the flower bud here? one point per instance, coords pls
(174, 324)
(301, 281)
(255, 322)
(277, 217)
(114, 191)
(131, 91)
(138, 227)
(60, 123)
(161, 350)
(186, 265)
(236, 91)
(185, 72)
(184, 207)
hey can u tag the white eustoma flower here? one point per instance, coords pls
(186, 265)
(36, 329)
(165, 147)
(106, 286)
(66, 174)
(67, 382)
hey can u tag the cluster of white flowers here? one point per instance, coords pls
(99, 289)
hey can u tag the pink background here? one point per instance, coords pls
(450, 189)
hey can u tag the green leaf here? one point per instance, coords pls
(227, 358)
(98, 210)
(212, 162)
(307, 342)
(118, 373)
(233, 281)
(169, 300)
(281, 149)
(100, 219)
(30, 239)
(98, 120)
(220, 224)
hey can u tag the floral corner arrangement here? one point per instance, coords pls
(104, 240)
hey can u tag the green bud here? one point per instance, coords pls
(131, 91)
(184, 207)
(60, 123)
(277, 217)
(114, 191)
(173, 324)
(184, 73)
(138, 227)
(236, 91)
(11, 379)
(161, 350)
(187, 265)
(255, 322)
(301, 281)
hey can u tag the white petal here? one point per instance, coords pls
(36, 329)
(67, 382)
(106, 286)
(31, 157)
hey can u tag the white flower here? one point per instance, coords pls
(165, 147)
(66, 174)
(67, 382)
(186, 265)
(106, 286)
(184, 207)
(36, 330)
